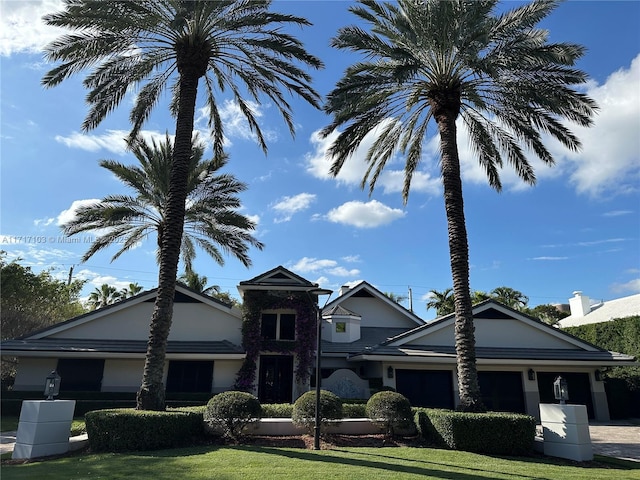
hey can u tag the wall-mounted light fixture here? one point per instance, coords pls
(531, 374)
(390, 372)
(598, 375)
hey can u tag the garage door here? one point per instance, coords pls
(502, 391)
(426, 388)
(578, 384)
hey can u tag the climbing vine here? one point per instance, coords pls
(303, 347)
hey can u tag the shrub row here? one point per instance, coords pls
(490, 433)
(128, 429)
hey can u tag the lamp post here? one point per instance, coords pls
(316, 429)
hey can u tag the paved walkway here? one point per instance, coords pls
(613, 439)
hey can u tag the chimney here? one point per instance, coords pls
(344, 289)
(580, 304)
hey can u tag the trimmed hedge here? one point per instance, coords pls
(231, 412)
(304, 409)
(389, 410)
(277, 410)
(354, 410)
(490, 433)
(119, 430)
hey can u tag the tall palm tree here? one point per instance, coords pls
(238, 46)
(103, 296)
(510, 297)
(432, 62)
(442, 302)
(211, 220)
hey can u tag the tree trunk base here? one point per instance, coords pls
(151, 398)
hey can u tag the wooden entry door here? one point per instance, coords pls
(276, 379)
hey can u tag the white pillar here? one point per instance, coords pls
(43, 428)
(566, 431)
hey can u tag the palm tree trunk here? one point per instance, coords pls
(469, 390)
(151, 395)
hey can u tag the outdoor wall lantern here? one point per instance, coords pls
(561, 390)
(531, 374)
(52, 385)
(390, 372)
(598, 375)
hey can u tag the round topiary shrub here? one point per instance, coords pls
(389, 410)
(304, 410)
(231, 412)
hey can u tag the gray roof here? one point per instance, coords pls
(369, 337)
(501, 353)
(71, 345)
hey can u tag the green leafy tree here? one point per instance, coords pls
(395, 297)
(211, 219)
(198, 283)
(104, 295)
(547, 313)
(434, 62)
(510, 297)
(236, 46)
(30, 301)
(478, 296)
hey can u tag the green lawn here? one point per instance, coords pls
(265, 463)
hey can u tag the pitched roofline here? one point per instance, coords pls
(122, 304)
(443, 321)
(364, 285)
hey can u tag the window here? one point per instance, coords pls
(278, 326)
(189, 376)
(80, 374)
(341, 327)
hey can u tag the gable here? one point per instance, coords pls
(496, 327)
(375, 308)
(195, 318)
(278, 278)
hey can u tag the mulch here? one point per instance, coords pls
(333, 441)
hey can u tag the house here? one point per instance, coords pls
(584, 311)
(367, 340)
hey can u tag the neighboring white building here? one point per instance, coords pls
(585, 311)
(367, 340)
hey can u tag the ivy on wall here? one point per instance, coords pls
(255, 302)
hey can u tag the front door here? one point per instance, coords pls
(276, 379)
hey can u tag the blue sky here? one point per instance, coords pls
(577, 229)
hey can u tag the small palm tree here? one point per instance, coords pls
(103, 296)
(432, 62)
(198, 283)
(442, 302)
(238, 46)
(211, 220)
(510, 297)
(131, 290)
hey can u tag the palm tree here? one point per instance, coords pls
(131, 290)
(103, 296)
(211, 221)
(394, 297)
(478, 296)
(510, 297)
(431, 62)
(442, 302)
(198, 283)
(239, 46)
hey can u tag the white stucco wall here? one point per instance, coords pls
(498, 333)
(224, 374)
(191, 322)
(32, 373)
(122, 375)
(376, 313)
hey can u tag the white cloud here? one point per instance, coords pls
(617, 213)
(113, 140)
(550, 258)
(287, 206)
(310, 265)
(632, 286)
(43, 222)
(354, 168)
(69, 214)
(22, 28)
(364, 215)
(344, 272)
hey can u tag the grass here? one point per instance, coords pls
(8, 424)
(260, 463)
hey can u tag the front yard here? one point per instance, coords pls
(352, 463)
